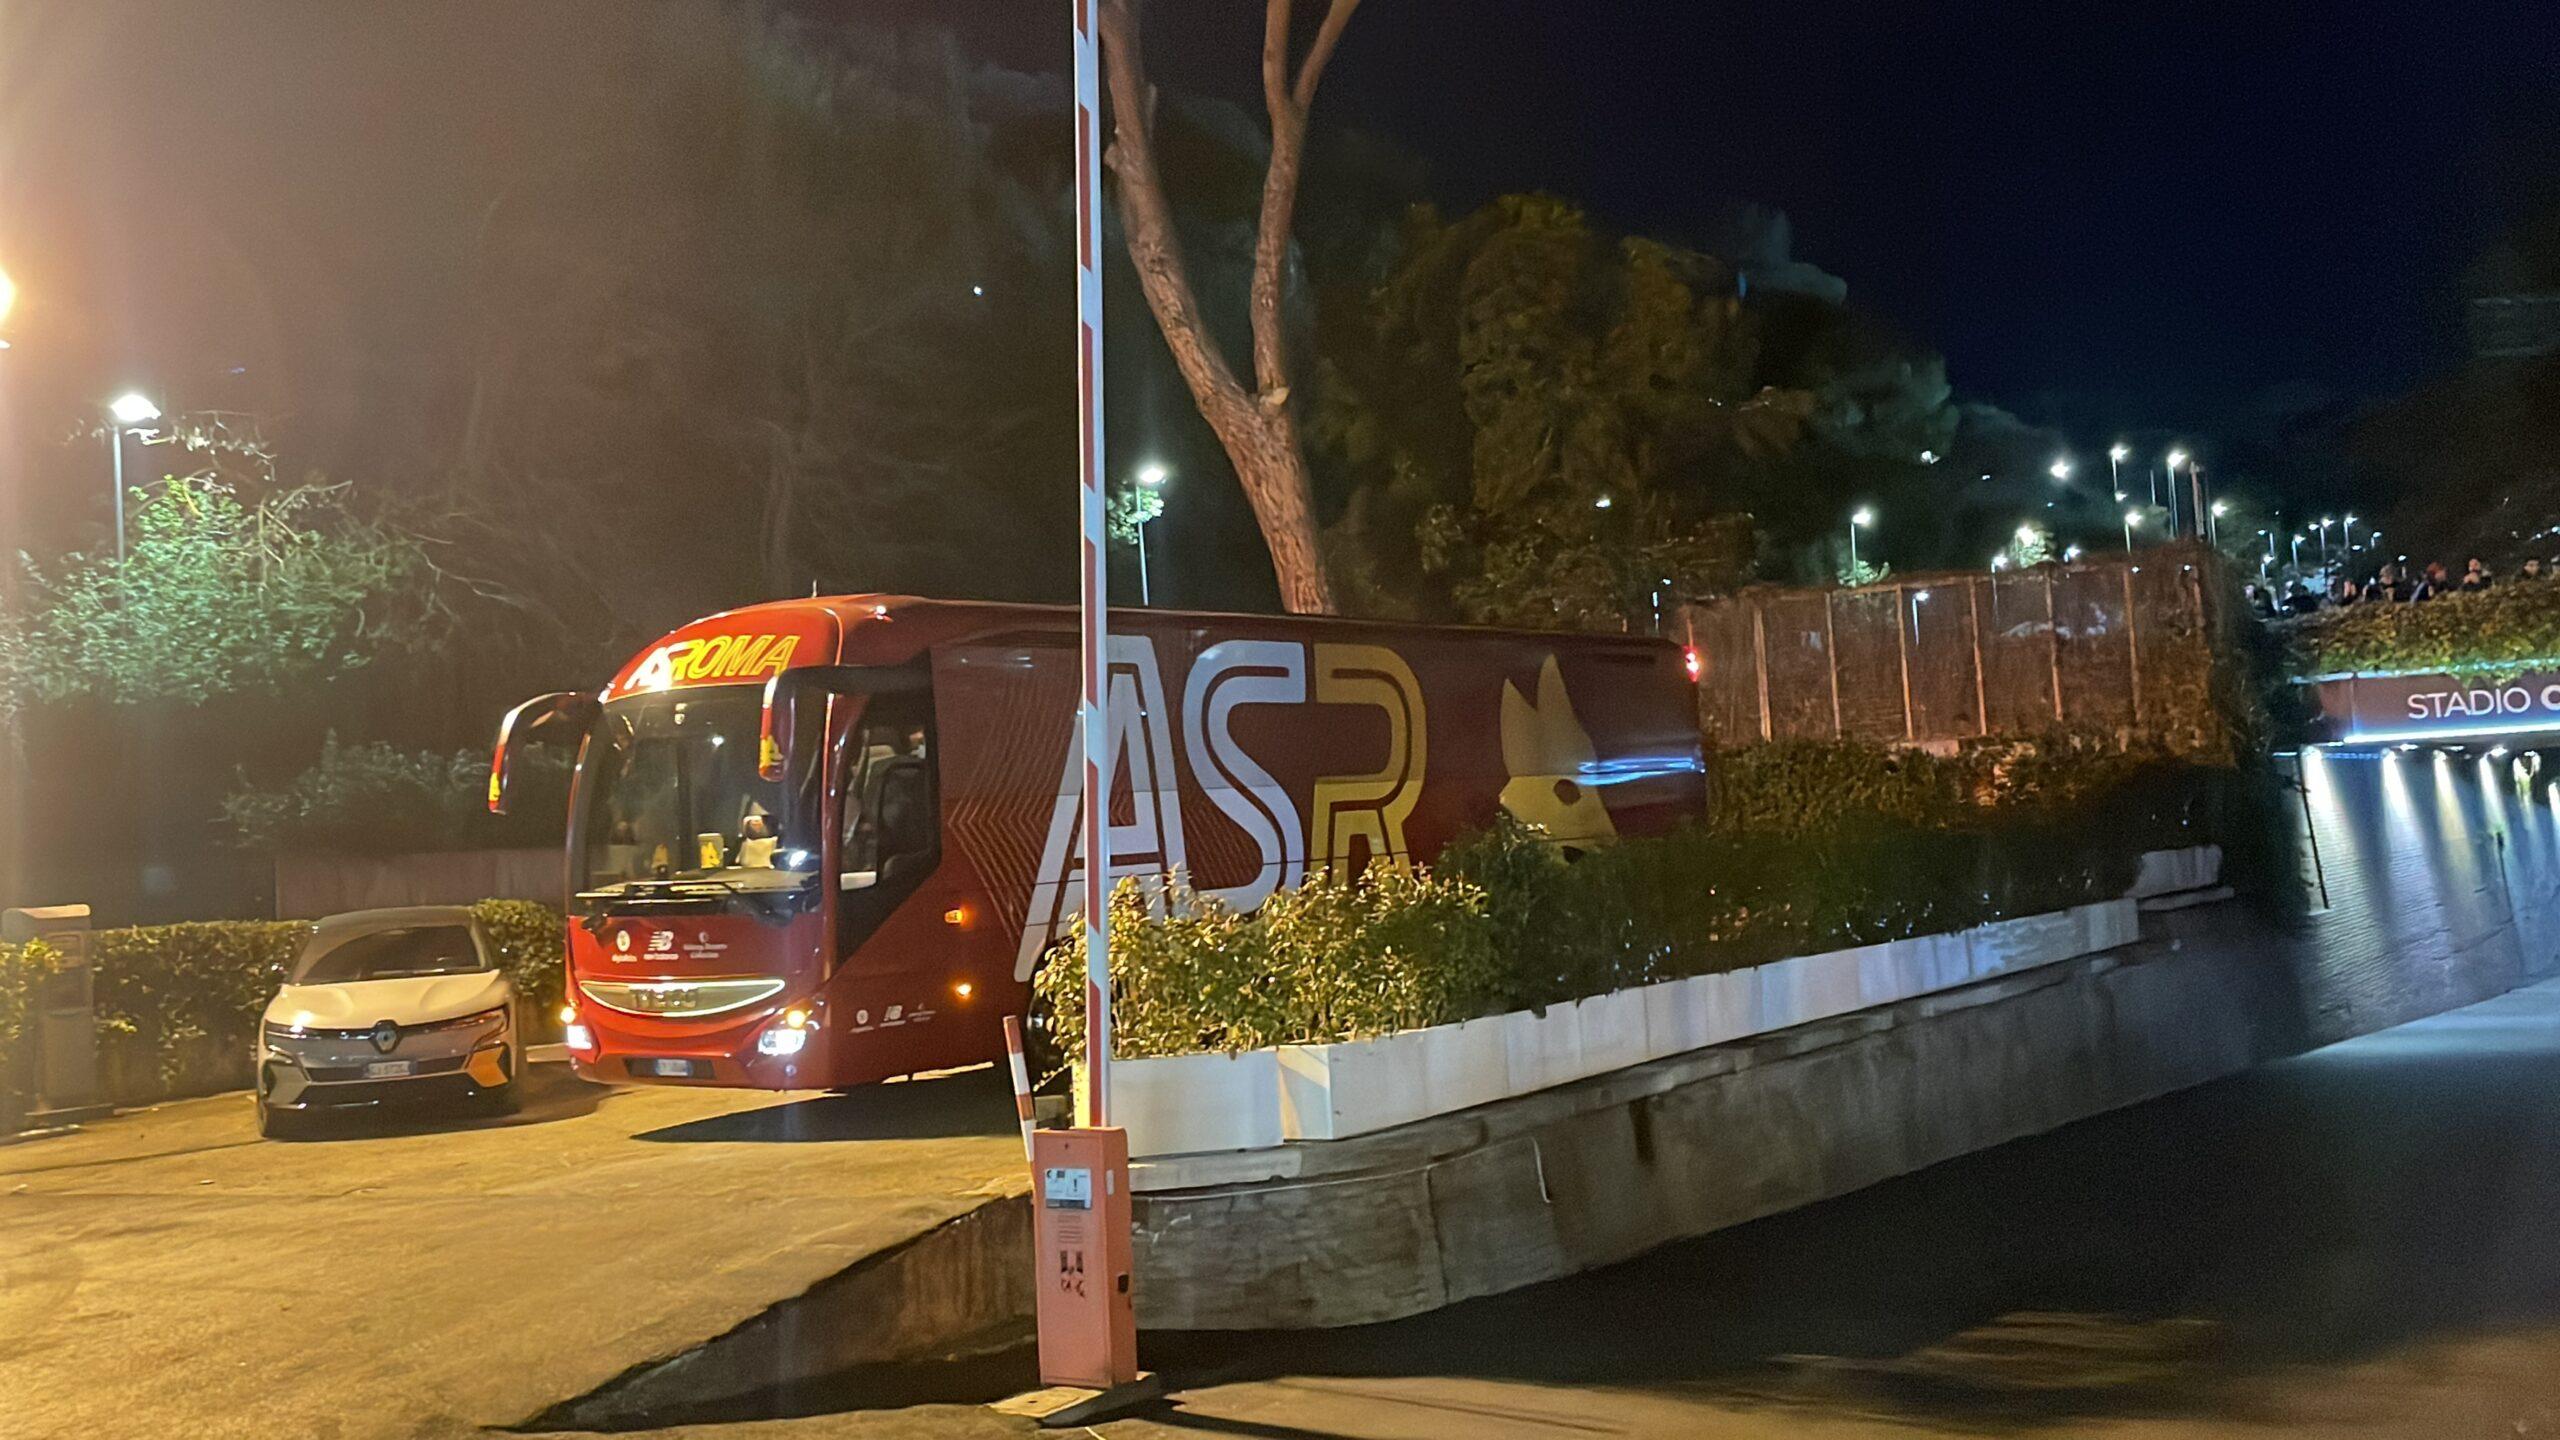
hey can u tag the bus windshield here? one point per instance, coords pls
(669, 792)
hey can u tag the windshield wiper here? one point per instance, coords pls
(773, 904)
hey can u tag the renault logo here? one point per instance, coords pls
(386, 1036)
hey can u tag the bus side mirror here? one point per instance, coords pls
(560, 718)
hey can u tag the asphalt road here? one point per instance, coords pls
(2364, 1241)
(168, 1273)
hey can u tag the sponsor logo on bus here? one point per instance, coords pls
(713, 658)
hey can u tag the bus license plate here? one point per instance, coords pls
(680, 1068)
(389, 1069)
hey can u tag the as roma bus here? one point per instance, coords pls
(824, 842)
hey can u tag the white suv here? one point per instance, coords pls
(385, 1006)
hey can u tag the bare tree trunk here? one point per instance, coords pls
(1258, 428)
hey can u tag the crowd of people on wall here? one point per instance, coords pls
(2390, 583)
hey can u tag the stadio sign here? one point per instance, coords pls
(2438, 706)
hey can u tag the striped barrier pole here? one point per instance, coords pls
(1094, 700)
(1021, 1079)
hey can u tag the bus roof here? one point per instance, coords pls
(754, 642)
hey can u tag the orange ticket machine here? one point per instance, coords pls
(1080, 1224)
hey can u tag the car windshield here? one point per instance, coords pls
(344, 957)
(669, 791)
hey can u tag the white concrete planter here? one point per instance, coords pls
(2166, 872)
(1465, 1065)
(1675, 1016)
(1542, 1050)
(1612, 1032)
(1185, 1103)
(1196, 1103)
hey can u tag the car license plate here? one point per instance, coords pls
(672, 1067)
(389, 1069)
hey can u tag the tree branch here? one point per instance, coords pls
(1275, 56)
(1330, 35)
(1155, 246)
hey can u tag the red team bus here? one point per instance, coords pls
(820, 843)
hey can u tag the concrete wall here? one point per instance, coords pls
(311, 886)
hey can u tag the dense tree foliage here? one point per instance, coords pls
(233, 584)
(1545, 425)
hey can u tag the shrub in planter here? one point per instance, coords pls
(1329, 960)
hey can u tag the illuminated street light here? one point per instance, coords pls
(1859, 519)
(2060, 469)
(2213, 524)
(2070, 553)
(2325, 523)
(2350, 534)
(1600, 504)
(1151, 476)
(128, 409)
(2131, 519)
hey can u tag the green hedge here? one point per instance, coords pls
(2509, 627)
(1794, 787)
(160, 988)
(1505, 923)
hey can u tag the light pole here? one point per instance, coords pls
(2060, 469)
(2349, 534)
(1151, 479)
(2268, 565)
(2213, 521)
(127, 410)
(2115, 457)
(2176, 459)
(1859, 519)
(2131, 519)
(2297, 553)
(2325, 523)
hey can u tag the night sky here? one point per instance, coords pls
(2149, 216)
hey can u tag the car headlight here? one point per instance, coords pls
(497, 1016)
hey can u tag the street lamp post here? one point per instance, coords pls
(2348, 533)
(2131, 519)
(2176, 459)
(128, 410)
(1859, 518)
(2297, 552)
(2324, 524)
(2213, 521)
(2115, 458)
(1152, 478)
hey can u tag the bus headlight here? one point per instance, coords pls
(781, 1040)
